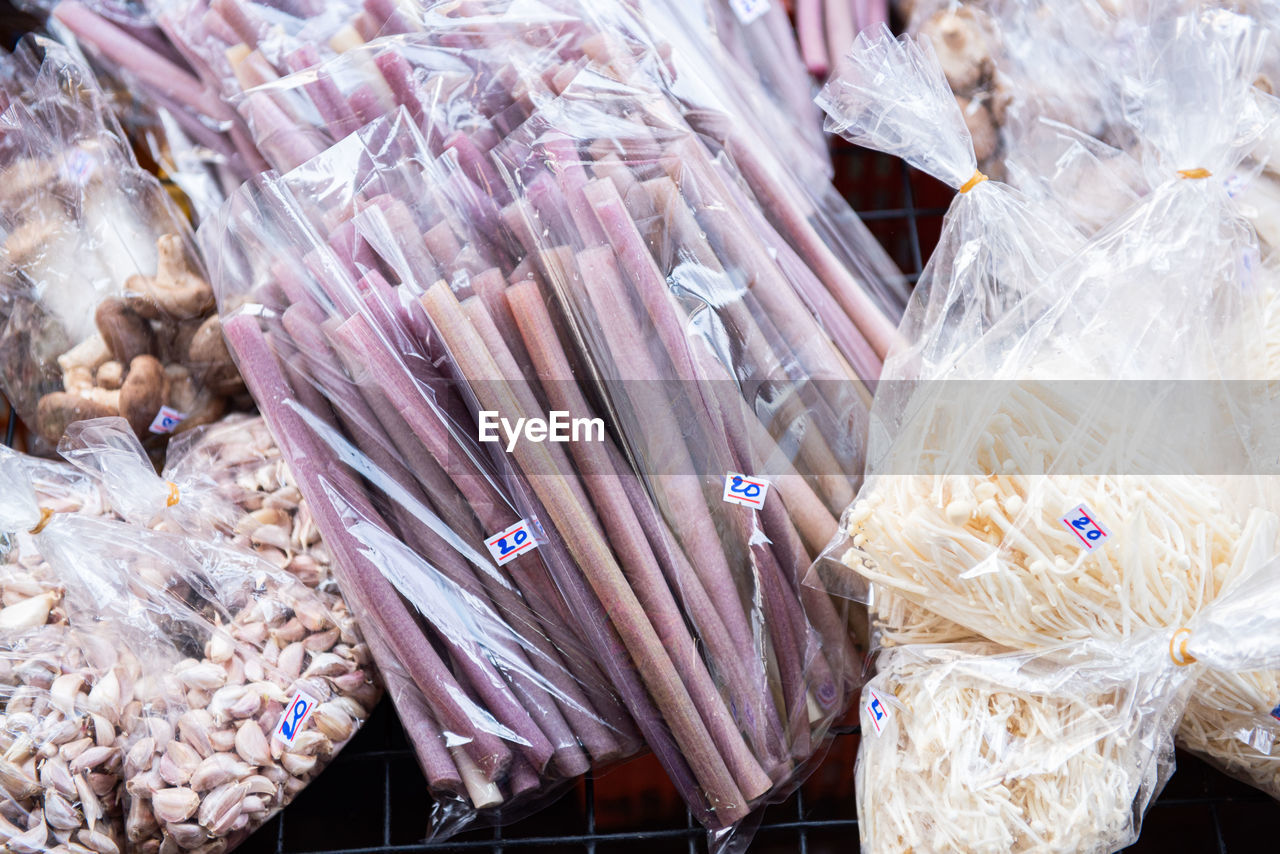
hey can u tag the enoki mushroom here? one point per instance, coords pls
(1229, 723)
(898, 621)
(1005, 754)
(992, 553)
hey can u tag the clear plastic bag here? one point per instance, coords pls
(235, 684)
(977, 748)
(966, 747)
(983, 493)
(398, 267)
(286, 76)
(105, 308)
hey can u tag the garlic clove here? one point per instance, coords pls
(218, 770)
(29, 613)
(174, 805)
(221, 808)
(251, 744)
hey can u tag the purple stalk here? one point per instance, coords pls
(133, 56)
(381, 610)
(813, 43)
(628, 540)
(593, 556)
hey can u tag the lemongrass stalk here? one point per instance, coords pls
(362, 581)
(627, 536)
(592, 555)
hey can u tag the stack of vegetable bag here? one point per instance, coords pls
(1047, 500)
(236, 47)
(105, 309)
(532, 225)
(180, 689)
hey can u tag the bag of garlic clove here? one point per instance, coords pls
(226, 480)
(249, 684)
(60, 736)
(246, 684)
(104, 309)
(1052, 472)
(60, 754)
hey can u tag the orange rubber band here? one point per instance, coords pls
(1194, 173)
(45, 515)
(1178, 647)
(977, 179)
(173, 494)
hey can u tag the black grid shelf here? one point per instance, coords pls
(373, 799)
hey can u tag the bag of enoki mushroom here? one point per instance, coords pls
(246, 682)
(1058, 474)
(965, 748)
(968, 747)
(104, 309)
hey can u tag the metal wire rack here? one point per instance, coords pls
(374, 800)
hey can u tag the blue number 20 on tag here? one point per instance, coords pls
(295, 717)
(1084, 523)
(516, 539)
(744, 490)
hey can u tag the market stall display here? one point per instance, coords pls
(105, 308)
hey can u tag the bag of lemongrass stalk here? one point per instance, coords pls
(1050, 472)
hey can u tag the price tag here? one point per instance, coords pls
(748, 10)
(295, 717)
(516, 540)
(747, 491)
(167, 420)
(876, 710)
(1085, 525)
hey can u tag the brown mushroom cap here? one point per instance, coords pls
(126, 332)
(143, 392)
(961, 45)
(211, 361)
(57, 410)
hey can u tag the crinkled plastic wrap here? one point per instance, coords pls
(604, 272)
(265, 61)
(966, 747)
(971, 746)
(105, 308)
(228, 683)
(984, 490)
(61, 765)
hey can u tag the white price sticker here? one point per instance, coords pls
(167, 420)
(516, 540)
(295, 717)
(748, 10)
(876, 711)
(747, 491)
(1084, 523)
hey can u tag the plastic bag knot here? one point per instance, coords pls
(1178, 647)
(977, 179)
(45, 515)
